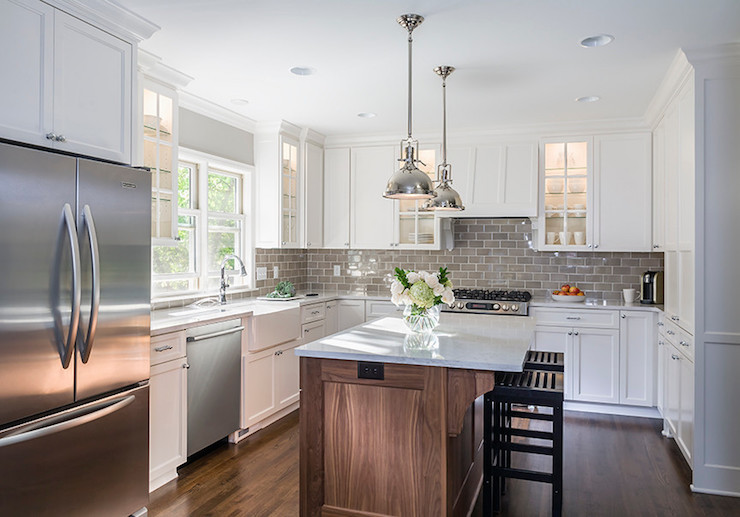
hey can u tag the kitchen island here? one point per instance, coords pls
(387, 428)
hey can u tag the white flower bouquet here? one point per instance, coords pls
(421, 290)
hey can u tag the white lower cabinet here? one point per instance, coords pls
(168, 395)
(287, 375)
(381, 308)
(351, 313)
(637, 358)
(258, 381)
(609, 354)
(678, 414)
(596, 365)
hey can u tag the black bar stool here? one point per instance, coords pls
(530, 387)
(548, 361)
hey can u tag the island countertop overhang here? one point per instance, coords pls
(469, 341)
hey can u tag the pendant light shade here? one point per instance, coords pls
(446, 197)
(409, 182)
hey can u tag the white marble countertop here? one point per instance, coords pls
(593, 303)
(472, 341)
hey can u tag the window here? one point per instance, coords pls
(213, 203)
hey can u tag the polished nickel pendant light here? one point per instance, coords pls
(447, 198)
(409, 182)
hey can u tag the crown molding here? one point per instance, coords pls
(153, 67)
(109, 16)
(716, 52)
(273, 127)
(476, 136)
(215, 111)
(678, 73)
(309, 135)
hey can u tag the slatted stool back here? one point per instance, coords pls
(530, 387)
(547, 361)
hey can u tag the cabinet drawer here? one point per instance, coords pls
(685, 344)
(576, 318)
(378, 309)
(166, 347)
(313, 331)
(313, 312)
(671, 331)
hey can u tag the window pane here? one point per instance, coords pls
(185, 180)
(224, 236)
(179, 258)
(222, 193)
(172, 286)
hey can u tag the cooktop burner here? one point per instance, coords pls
(488, 301)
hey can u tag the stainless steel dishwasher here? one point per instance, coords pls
(214, 382)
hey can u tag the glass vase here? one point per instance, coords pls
(421, 320)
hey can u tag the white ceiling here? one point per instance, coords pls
(518, 62)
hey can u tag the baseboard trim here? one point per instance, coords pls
(239, 435)
(713, 492)
(612, 409)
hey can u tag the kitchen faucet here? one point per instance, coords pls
(224, 285)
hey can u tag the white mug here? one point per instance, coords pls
(565, 238)
(629, 295)
(580, 238)
(550, 238)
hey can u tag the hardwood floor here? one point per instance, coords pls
(613, 465)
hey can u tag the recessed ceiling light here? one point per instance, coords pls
(366, 115)
(597, 41)
(302, 70)
(588, 98)
(239, 102)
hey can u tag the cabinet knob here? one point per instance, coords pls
(589, 245)
(670, 332)
(308, 243)
(675, 357)
(283, 243)
(570, 332)
(60, 138)
(575, 333)
(596, 246)
(624, 316)
(655, 246)
(346, 243)
(51, 136)
(661, 343)
(186, 366)
(683, 343)
(660, 323)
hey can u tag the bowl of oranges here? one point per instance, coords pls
(568, 293)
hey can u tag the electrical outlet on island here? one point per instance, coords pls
(275, 272)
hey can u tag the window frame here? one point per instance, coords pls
(245, 174)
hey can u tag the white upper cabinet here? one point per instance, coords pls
(623, 188)
(659, 187)
(67, 86)
(336, 197)
(596, 193)
(26, 90)
(314, 189)
(495, 180)
(371, 215)
(92, 90)
(279, 218)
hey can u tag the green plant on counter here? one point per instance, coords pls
(284, 289)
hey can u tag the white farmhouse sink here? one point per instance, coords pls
(273, 325)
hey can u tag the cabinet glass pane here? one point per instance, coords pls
(577, 155)
(407, 205)
(150, 157)
(286, 225)
(165, 118)
(555, 156)
(150, 113)
(407, 229)
(554, 185)
(165, 167)
(293, 160)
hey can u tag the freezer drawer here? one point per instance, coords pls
(89, 460)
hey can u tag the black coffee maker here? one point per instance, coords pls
(651, 287)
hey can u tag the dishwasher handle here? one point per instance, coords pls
(192, 339)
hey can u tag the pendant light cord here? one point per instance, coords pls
(410, 45)
(444, 121)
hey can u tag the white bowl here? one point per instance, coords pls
(567, 298)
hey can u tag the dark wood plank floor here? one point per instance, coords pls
(613, 465)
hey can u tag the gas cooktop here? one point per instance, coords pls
(488, 301)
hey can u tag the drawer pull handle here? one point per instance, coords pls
(683, 343)
(315, 312)
(572, 317)
(660, 323)
(186, 366)
(675, 357)
(670, 332)
(661, 342)
(163, 348)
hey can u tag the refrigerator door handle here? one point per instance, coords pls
(66, 347)
(86, 341)
(59, 423)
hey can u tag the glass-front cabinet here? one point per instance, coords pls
(567, 183)
(159, 121)
(289, 194)
(416, 228)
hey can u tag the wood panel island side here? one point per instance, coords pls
(409, 443)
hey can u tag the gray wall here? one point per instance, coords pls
(200, 133)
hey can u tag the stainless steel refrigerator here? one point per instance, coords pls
(74, 335)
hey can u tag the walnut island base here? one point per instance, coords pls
(409, 444)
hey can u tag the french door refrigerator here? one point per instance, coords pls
(74, 335)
